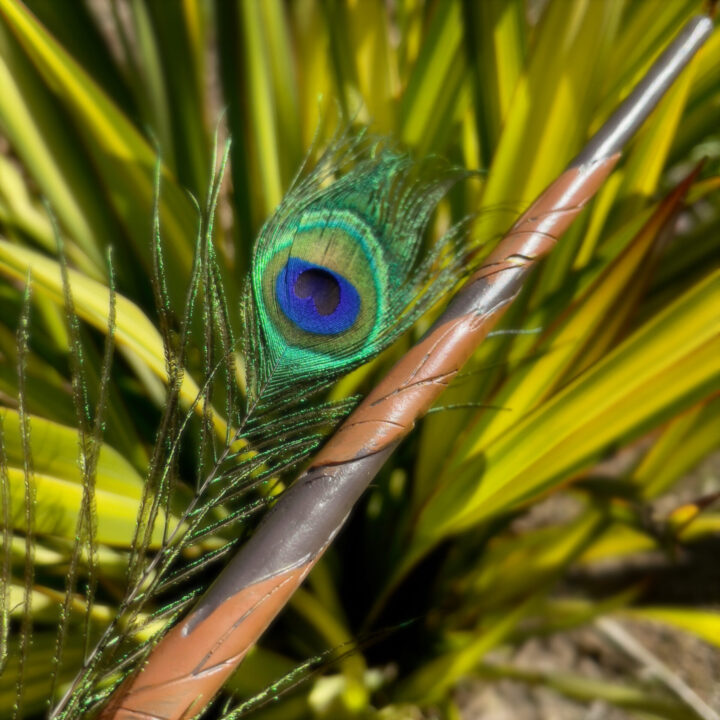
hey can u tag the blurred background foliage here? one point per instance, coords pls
(554, 457)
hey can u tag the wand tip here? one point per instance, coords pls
(625, 121)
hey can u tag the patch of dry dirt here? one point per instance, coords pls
(592, 654)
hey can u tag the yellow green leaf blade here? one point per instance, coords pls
(18, 210)
(46, 602)
(641, 37)
(701, 526)
(618, 540)
(635, 412)
(283, 72)
(435, 677)
(494, 33)
(435, 80)
(549, 107)
(48, 394)
(121, 137)
(514, 566)
(608, 301)
(649, 153)
(314, 72)
(134, 332)
(705, 624)
(52, 556)
(666, 363)
(58, 483)
(35, 673)
(559, 614)
(124, 158)
(687, 439)
(175, 34)
(58, 504)
(55, 452)
(257, 66)
(27, 116)
(375, 62)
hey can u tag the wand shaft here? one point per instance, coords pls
(190, 664)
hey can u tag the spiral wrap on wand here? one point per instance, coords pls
(192, 661)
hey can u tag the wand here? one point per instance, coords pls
(189, 665)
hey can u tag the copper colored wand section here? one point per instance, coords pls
(190, 664)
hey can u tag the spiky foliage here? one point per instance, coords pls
(131, 464)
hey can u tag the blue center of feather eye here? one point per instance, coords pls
(315, 298)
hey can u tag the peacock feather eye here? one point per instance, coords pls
(316, 298)
(335, 274)
(321, 286)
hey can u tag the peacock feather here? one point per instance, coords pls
(336, 274)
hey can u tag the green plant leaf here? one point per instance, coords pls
(705, 624)
(662, 367)
(58, 482)
(121, 155)
(135, 334)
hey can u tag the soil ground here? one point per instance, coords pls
(589, 652)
